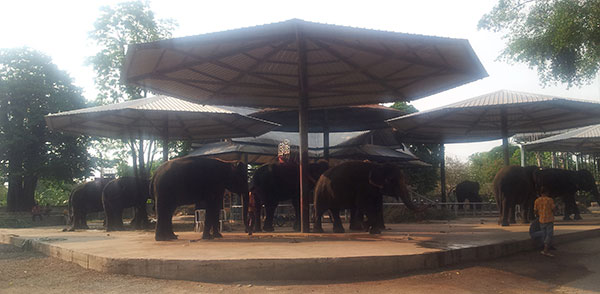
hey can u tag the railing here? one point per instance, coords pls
(470, 208)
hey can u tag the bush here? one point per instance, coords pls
(53, 193)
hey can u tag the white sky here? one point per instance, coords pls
(59, 28)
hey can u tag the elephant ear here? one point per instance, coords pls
(377, 177)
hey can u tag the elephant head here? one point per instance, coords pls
(585, 181)
(237, 181)
(390, 180)
(317, 169)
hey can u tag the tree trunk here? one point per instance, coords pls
(27, 199)
(15, 182)
(15, 189)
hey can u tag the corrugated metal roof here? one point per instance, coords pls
(586, 139)
(159, 103)
(258, 66)
(159, 117)
(479, 118)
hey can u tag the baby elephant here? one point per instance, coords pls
(359, 185)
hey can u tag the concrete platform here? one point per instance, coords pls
(291, 256)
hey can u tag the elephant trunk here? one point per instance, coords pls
(403, 193)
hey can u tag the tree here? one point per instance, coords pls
(126, 23)
(31, 86)
(456, 171)
(558, 37)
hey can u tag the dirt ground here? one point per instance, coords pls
(575, 269)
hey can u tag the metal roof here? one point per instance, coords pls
(480, 118)
(259, 66)
(159, 117)
(348, 145)
(586, 139)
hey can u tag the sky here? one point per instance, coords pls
(60, 28)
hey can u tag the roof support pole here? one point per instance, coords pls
(504, 126)
(166, 141)
(443, 171)
(522, 155)
(303, 129)
(325, 135)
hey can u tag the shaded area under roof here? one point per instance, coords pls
(333, 119)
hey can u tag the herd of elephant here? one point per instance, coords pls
(521, 185)
(355, 185)
(358, 186)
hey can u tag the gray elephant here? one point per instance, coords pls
(85, 198)
(515, 185)
(273, 183)
(123, 193)
(359, 186)
(565, 184)
(467, 190)
(190, 180)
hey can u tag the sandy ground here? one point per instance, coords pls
(575, 269)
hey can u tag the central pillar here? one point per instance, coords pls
(303, 130)
(504, 126)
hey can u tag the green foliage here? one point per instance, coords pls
(31, 86)
(126, 23)
(53, 193)
(3, 191)
(558, 37)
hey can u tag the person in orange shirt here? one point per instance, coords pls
(544, 207)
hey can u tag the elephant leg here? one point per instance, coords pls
(83, 221)
(164, 222)
(296, 204)
(356, 220)
(318, 228)
(269, 213)
(337, 222)
(141, 217)
(505, 212)
(380, 223)
(209, 219)
(257, 216)
(512, 209)
(372, 220)
(216, 228)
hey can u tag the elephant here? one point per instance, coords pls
(273, 183)
(565, 184)
(359, 186)
(467, 190)
(85, 198)
(190, 180)
(123, 193)
(515, 185)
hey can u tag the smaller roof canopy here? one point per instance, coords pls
(481, 118)
(348, 145)
(159, 117)
(586, 140)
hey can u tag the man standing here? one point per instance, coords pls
(544, 208)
